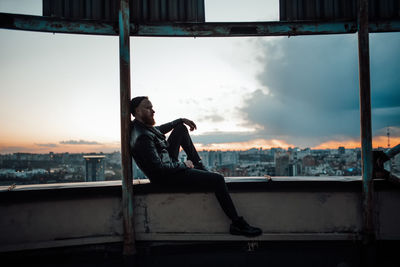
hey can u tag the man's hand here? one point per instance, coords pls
(189, 164)
(189, 123)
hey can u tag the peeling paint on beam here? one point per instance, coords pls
(384, 26)
(47, 24)
(243, 29)
(238, 29)
(221, 29)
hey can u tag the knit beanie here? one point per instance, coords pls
(135, 102)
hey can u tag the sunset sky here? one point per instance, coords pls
(60, 92)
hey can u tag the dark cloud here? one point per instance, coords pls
(385, 66)
(394, 131)
(313, 88)
(47, 145)
(79, 142)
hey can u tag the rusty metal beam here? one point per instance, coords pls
(56, 25)
(208, 29)
(237, 29)
(384, 26)
(125, 96)
(365, 119)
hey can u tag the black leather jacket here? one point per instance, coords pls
(149, 149)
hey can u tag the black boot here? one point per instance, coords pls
(241, 227)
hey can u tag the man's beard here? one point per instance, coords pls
(149, 121)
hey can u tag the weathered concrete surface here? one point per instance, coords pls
(60, 222)
(91, 213)
(276, 213)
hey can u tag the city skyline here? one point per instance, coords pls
(25, 168)
(60, 92)
(22, 168)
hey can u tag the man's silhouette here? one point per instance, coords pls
(157, 157)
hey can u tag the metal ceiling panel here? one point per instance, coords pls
(141, 11)
(336, 10)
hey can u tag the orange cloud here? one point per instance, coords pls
(335, 144)
(28, 147)
(377, 141)
(257, 143)
(25, 147)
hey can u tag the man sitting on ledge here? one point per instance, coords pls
(158, 159)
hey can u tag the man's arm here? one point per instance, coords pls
(147, 151)
(165, 128)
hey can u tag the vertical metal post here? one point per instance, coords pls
(366, 132)
(125, 95)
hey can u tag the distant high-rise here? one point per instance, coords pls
(204, 158)
(281, 164)
(95, 166)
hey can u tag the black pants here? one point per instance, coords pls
(197, 178)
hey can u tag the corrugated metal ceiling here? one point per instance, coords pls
(324, 10)
(140, 10)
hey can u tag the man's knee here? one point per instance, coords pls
(218, 179)
(181, 127)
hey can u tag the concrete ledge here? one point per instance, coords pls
(287, 209)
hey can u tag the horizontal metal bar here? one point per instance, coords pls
(208, 29)
(384, 26)
(56, 25)
(221, 29)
